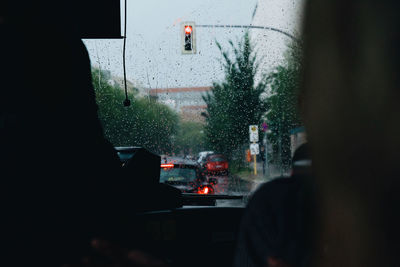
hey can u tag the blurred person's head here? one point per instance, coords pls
(350, 102)
(274, 231)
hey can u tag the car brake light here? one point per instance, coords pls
(203, 190)
(209, 165)
(168, 165)
(226, 165)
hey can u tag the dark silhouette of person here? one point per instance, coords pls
(274, 229)
(59, 175)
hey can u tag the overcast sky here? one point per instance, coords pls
(154, 56)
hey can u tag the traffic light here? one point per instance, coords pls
(188, 38)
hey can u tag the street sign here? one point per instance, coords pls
(254, 149)
(264, 126)
(253, 130)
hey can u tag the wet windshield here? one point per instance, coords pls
(206, 77)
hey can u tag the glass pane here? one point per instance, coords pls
(199, 73)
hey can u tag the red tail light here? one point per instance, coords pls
(168, 165)
(204, 190)
(209, 166)
(226, 165)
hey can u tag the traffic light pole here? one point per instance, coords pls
(251, 27)
(266, 164)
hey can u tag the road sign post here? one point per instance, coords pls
(254, 148)
(253, 131)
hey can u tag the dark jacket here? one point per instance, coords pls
(273, 225)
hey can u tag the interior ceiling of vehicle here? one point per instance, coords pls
(98, 18)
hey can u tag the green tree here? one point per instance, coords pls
(190, 138)
(145, 123)
(283, 115)
(235, 103)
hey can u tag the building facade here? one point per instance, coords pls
(187, 102)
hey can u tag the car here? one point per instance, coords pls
(185, 175)
(202, 155)
(215, 164)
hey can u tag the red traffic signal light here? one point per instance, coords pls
(188, 29)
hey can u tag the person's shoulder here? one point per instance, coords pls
(275, 190)
(275, 184)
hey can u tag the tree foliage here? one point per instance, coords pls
(190, 138)
(235, 103)
(283, 115)
(145, 123)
